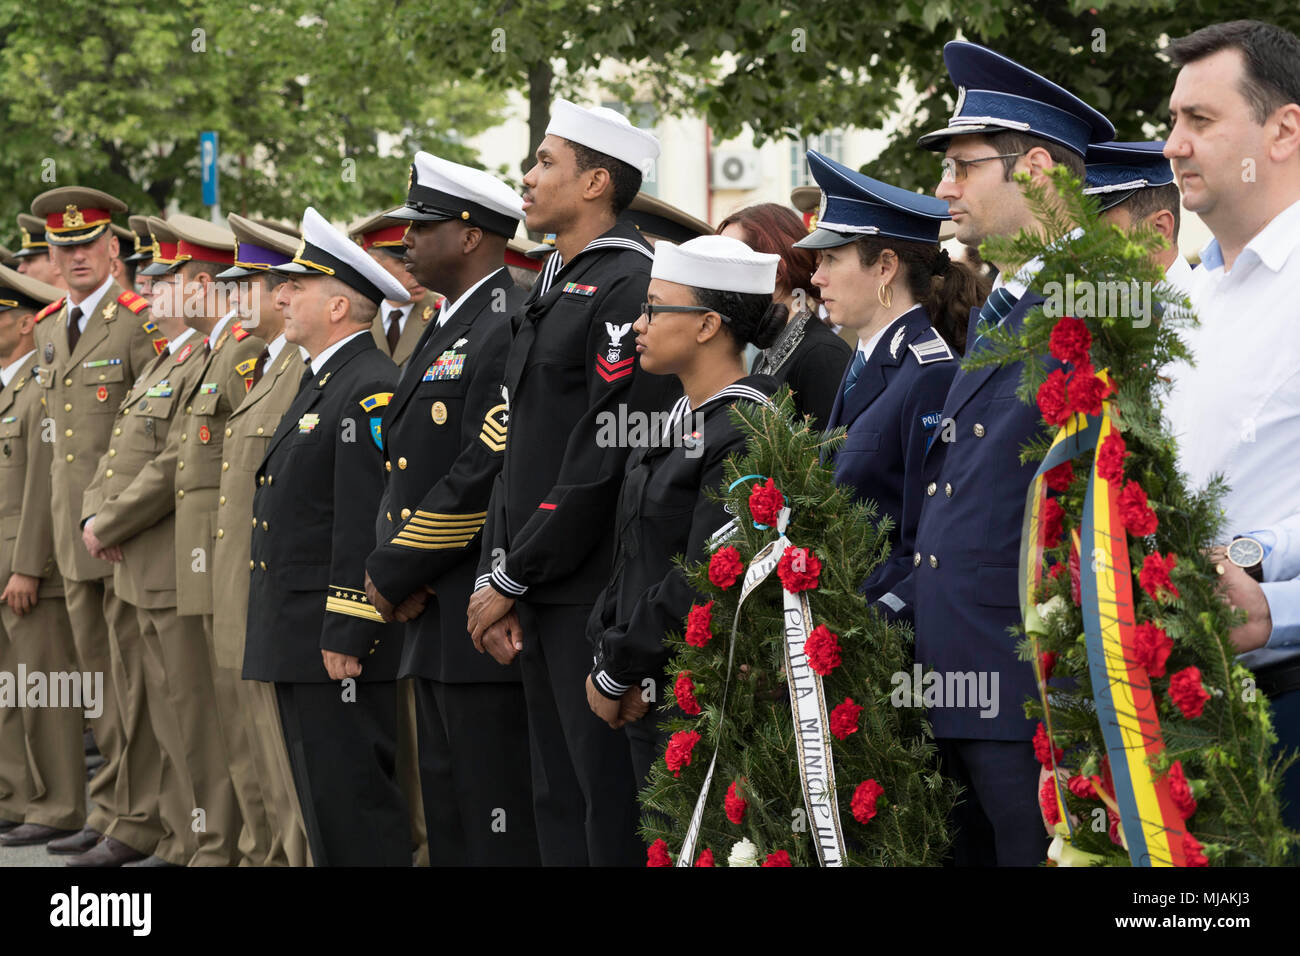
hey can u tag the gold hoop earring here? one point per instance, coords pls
(885, 295)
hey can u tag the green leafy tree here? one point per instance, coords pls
(115, 95)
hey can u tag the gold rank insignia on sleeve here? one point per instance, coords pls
(351, 602)
(377, 400)
(493, 433)
(433, 531)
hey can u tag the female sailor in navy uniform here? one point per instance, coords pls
(882, 273)
(708, 298)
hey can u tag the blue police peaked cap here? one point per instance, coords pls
(1118, 170)
(854, 205)
(995, 93)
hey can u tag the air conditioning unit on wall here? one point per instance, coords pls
(736, 169)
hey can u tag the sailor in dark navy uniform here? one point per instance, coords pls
(310, 624)
(549, 533)
(444, 435)
(878, 262)
(707, 300)
(964, 576)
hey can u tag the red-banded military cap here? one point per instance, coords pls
(381, 231)
(75, 214)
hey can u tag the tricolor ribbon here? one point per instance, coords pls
(1126, 709)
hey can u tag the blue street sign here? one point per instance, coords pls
(208, 163)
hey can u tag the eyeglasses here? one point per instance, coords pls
(648, 311)
(954, 169)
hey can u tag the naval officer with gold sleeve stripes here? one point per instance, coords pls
(309, 623)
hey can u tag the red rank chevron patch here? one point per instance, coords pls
(613, 371)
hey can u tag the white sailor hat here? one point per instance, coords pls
(323, 250)
(716, 262)
(440, 189)
(606, 131)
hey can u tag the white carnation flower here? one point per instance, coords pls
(743, 853)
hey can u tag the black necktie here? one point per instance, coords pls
(394, 330)
(74, 328)
(260, 367)
(307, 376)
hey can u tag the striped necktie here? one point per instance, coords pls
(996, 308)
(855, 370)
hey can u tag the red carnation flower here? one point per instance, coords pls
(1153, 646)
(1110, 457)
(1055, 571)
(734, 804)
(864, 800)
(657, 855)
(1082, 788)
(1047, 799)
(1044, 749)
(844, 718)
(1047, 661)
(724, 567)
(1051, 399)
(705, 858)
(1154, 576)
(1113, 830)
(779, 858)
(1193, 851)
(1186, 690)
(1059, 478)
(1086, 391)
(678, 754)
(822, 650)
(699, 625)
(1139, 520)
(1071, 340)
(799, 570)
(765, 503)
(684, 691)
(1053, 522)
(1181, 790)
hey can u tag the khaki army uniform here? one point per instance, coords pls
(247, 434)
(42, 771)
(82, 387)
(226, 379)
(132, 501)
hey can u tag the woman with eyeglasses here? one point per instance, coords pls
(881, 272)
(707, 299)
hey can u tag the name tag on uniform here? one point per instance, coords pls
(575, 289)
(162, 390)
(307, 423)
(447, 366)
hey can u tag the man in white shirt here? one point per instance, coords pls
(1235, 148)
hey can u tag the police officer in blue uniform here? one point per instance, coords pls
(878, 264)
(964, 576)
(444, 435)
(310, 624)
(708, 298)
